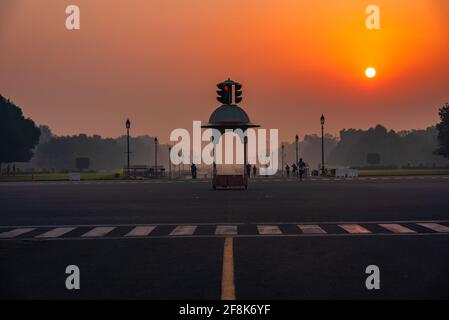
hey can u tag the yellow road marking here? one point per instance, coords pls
(227, 277)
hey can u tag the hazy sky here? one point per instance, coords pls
(158, 62)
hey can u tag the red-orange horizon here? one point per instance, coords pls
(157, 63)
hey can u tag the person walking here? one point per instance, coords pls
(254, 171)
(301, 168)
(287, 170)
(294, 169)
(248, 170)
(193, 169)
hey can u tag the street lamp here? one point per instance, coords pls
(128, 125)
(297, 153)
(322, 144)
(282, 160)
(155, 155)
(169, 162)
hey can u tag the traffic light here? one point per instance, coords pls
(238, 92)
(224, 94)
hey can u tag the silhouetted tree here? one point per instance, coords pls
(104, 153)
(18, 135)
(443, 132)
(402, 148)
(61, 152)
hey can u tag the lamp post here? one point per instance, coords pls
(282, 160)
(297, 153)
(155, 156)
(128, 125)
(322, 144)
(169, 162)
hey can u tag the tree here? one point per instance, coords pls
(443, 132)
(18, 135)
(404, 148)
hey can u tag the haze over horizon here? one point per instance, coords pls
(158, 63)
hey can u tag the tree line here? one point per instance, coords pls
(61, 152)
(22, 141)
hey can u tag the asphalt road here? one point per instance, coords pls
(157, 240)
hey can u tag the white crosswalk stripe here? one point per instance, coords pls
(55, 233)
(396, 228)
(226, 230)
(311, 228)
(407, 228)
(140, 231)
(435, 227)
(183, 231)
(15, 233)
(354, 228)
(98, 232)
(269, 230)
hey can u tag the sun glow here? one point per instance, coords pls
(370, 72)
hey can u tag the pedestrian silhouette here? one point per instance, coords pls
(301, 168)
(193, 169)
(254, 171)
(287, 170)
(248, 170)
(294, 169)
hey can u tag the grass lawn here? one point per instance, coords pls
(402, 172)
(58, 176)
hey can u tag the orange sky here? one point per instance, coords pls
(157, 62)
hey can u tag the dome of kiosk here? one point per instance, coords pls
(229, 114)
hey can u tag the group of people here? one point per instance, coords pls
(297, 169)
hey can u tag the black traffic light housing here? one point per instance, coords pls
(238, 92)
(225, 95)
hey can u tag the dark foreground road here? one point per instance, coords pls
(286, 240)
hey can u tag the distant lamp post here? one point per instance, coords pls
(169, 162)
(128, 126)
(322, 144)
(297, 153)
(282, 159)
(155, 155)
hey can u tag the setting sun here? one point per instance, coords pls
(370, 72)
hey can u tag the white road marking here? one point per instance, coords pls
(15, 233)
(140, 231)
(269, 230)
(183, 231)
(98, 232)
(55, 233)
(226, 230)
(311, 228)
(435, 227)
(354, 228)
(396, 228)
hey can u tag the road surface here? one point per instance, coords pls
(280, 239)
